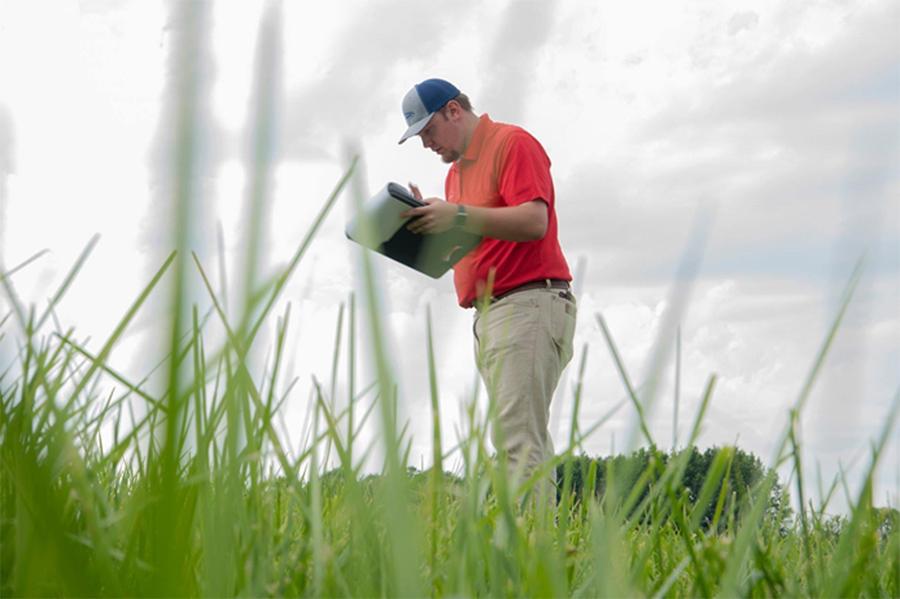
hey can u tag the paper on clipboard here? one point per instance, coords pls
(379, 218)
(379, 227)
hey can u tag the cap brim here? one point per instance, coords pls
(415, 128)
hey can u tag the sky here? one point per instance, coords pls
(719, 169)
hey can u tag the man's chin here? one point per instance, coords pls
(450, 157)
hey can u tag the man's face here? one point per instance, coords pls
(443, 135)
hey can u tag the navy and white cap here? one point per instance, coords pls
(422, 101)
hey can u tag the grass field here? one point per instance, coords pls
(111, 490)
(181, 483)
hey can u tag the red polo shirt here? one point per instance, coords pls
(504, 166)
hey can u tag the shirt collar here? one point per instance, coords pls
(478, 137)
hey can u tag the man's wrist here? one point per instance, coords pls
(461, 217)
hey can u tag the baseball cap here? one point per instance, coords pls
(422, 101)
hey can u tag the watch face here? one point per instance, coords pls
(460, 217)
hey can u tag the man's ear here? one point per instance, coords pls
(453, 109)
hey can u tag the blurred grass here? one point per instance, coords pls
(200, 495)
(96, 504)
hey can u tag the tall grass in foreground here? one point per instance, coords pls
(112, 488)
(92, 506)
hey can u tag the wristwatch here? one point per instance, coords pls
(459, 221)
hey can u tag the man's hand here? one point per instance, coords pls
(524, 222)
(436, 217)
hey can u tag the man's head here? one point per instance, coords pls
(442, 116)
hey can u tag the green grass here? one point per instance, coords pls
(201, 496)
(116, 487)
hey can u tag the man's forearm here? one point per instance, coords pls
(525, 222)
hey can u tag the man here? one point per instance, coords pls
(499, 186)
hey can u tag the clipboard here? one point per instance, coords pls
(379, 227)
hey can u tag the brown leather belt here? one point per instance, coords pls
(539, 284)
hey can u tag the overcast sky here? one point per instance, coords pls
(776, 123)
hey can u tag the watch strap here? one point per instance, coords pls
(459, 220)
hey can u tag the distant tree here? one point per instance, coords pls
(887, 520)
(646, 465)
(832, 527)
(778, 510)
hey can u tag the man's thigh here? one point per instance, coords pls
(523, 342)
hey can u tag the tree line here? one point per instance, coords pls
(642, 469)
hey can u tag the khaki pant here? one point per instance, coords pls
(522, 344)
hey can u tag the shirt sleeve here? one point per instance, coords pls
(525, 172)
